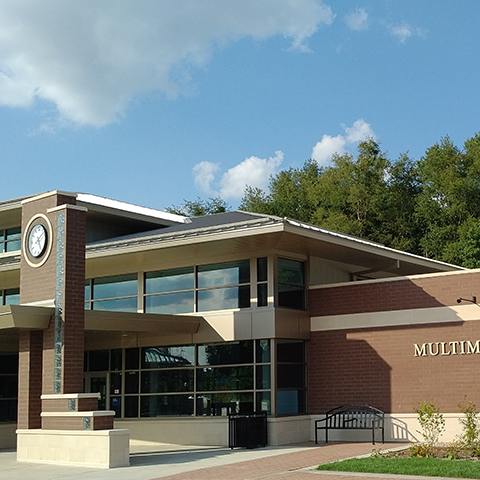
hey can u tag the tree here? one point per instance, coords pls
(199, 207)
(450, 197)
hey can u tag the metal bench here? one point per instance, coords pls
(352, 417)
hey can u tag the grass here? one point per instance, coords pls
(436, 467)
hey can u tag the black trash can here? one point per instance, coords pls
(247, 430)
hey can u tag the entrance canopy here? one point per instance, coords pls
(38, 318)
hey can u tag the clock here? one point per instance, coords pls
(37, 240)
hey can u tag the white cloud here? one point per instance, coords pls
(253, 171)
(357, 20)
(403, 31)
(90, 57)
(324, 149)
(360, 130)
(204, 175)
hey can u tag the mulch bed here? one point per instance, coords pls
(447, 452)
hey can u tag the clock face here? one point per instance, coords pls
(37, 240)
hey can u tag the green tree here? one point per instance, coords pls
(200, 207)
(450, 199)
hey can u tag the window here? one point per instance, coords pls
(291, 283)
(262, 285)
(10, 240)
(223, 286)
(8, 387)
(170, 291)
(118, 293)
(218, 286)
(10, 296)
(291, 377)
(201, 380)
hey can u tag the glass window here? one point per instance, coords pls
(262, 351)
(115, 383)
(131, 407)
(263, 377)
(117, 293)
(167, 357)
(132, 358)
(162, 381)
(167, 380)
(170, 303)
(116, 359)
(116, 305)
(291, 377)
(112, 287)
(131, 382)
(291, 283)
(222, 274)
(290, 402)
(226, 353)
(98, 360)
(223, 298)
(224, 403)
(10, 239)
(10, 296)
(164, 405)
(264, 402)
(170, 280)
(225, 378)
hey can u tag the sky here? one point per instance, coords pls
(154, 102)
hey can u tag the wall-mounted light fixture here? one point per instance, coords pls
(472, 299)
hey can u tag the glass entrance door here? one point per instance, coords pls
(97, 383)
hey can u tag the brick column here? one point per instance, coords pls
(64, 339)
(29, 379)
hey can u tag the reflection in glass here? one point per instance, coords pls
(112, 287)
(167, 357)
(222, 274)
(264, 402)
(226, 353)
(115, 384)
(225, 378)
(291, 283)
(162, 381)
(98, 360)
(223, 403)
(290, 402)
(159, 405)
(12, 296)
(132, 358)
(169, 280)
(131, 407)
(263, 378)
(223, 298)
(131, 382)
(290, 351)
(116, 305)
(170, 303)
(262, 351)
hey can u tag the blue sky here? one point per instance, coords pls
(155, 102)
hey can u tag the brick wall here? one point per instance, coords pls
(379, 367)
(408, 293)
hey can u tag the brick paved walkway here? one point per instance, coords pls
(286, 466)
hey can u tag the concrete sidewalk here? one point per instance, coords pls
(174, 462)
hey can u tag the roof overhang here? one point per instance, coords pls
(268, 234)
(25, 317)
(140, 322)
(38, 318)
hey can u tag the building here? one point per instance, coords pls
(176, 321)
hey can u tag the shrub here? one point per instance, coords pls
(470, 437)
(432, 423)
